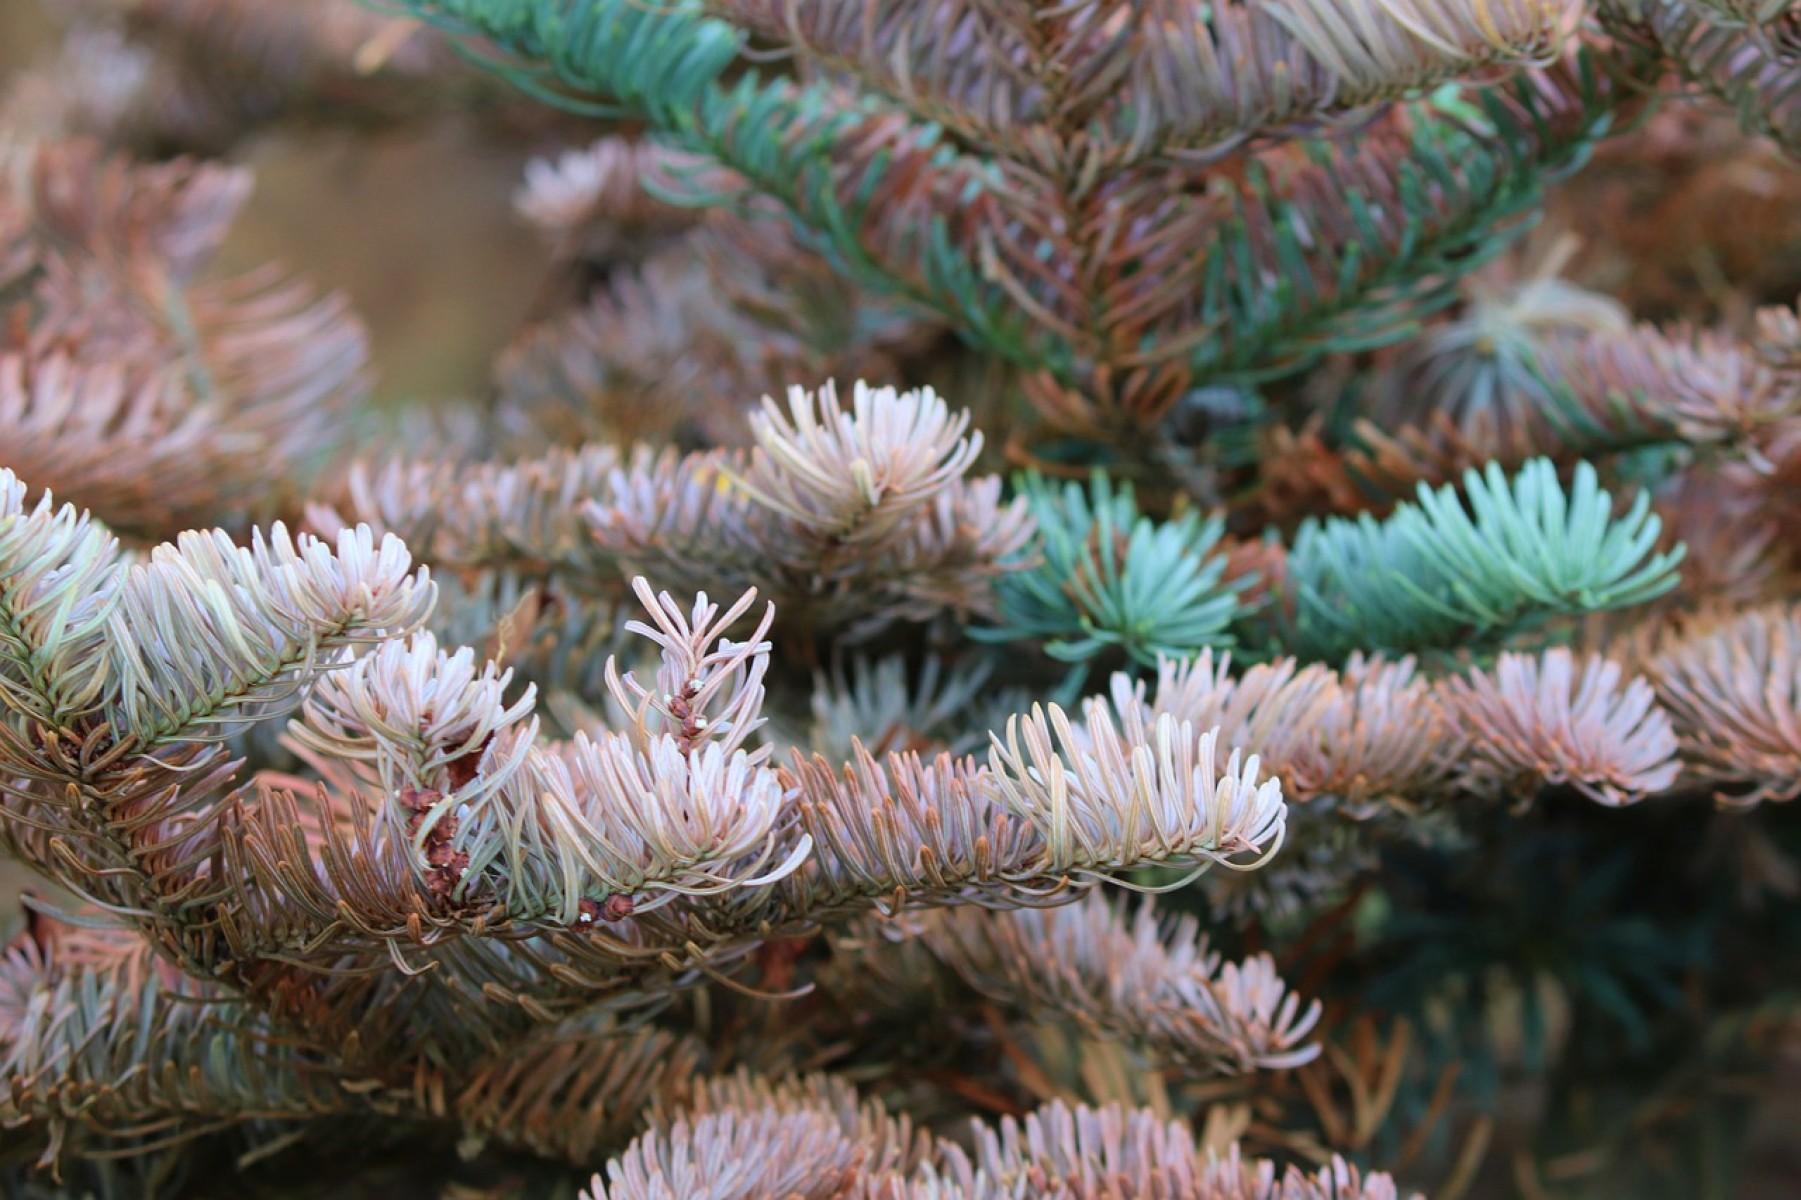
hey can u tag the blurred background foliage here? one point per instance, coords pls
(414, 221)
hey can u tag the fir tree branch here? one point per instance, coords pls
(1514, 553)
(751, 1138)
(102, 1039)
(1355, 741)
(1544, 368)
(907, 215)
(124, 784)
(1108, 577)
(575, 1092)
(836, 514)
(124, 345)
(1149, 79)
(1535, 723)
(1743, 54)
(470, 517)
(1345, 251)
(1733, 689)
(1152, 984)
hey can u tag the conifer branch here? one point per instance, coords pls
(1373, 734)
(1733, 690)
(124, 345)
(1743, 54)
(1512, 553)
(1136, 315)
(576, 1091)
(1152, 984)
(518, 848)
(1152, 79)
(1535, 722)
(114, 746)
(1544, 368)
(743, 1137)
(477, 517)
(205, 74)
(882, 705)
(585, 199)
(105, 1042)
(750, 1138)
(1109, 577)
(836, 513)
(1384, 223)
(1179, 804)
(737, 305)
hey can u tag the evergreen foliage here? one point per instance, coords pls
(1490, 563)
(1108, 576)
(1253, 626)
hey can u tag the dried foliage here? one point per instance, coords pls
(1536, 723)
(1733, 691)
